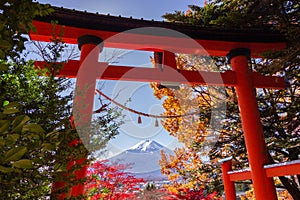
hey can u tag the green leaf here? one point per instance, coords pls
(105, 190)
(58, 167)
(12, 138)
(23, 164)
(12, 105)
(33, 128)
(48, 147)
(5, 103)
(6, 44)
(53, 135)
(11, 111)
(3, 67)
(6, 169)
(4, 126)
(15, 154)
(2, 54)
(2, 143)
(19, 122)
(2, 116)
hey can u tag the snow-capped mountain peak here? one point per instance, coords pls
(146, 146)
(145, 157)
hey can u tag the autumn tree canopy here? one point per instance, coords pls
(279, 109)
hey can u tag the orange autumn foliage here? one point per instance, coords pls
(193, 104)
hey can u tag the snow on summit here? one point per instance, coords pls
(146, 146)
(143, 159)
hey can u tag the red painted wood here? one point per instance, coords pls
(153, 43)
(283, 169)
(254, 139)
(272, 82)
(229, 187)
(273, 170)
(126, 73)
(240, 175)
(83, 102)
(169, 59)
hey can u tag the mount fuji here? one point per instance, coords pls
(146, 146)
(143, 159)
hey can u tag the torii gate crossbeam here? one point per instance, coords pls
(142, 74)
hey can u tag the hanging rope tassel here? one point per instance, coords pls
(156, 123)
(139, 120)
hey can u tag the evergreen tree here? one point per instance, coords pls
(15, 19)
(37, 140)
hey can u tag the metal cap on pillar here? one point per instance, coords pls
(90, 39)
(238, 52)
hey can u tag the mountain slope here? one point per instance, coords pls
(143, 158)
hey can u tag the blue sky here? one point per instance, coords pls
(153, 9)
(141, 94)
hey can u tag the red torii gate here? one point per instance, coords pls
(89, 30)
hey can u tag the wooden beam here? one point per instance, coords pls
(273, 170)
(135, 41)
(283, 169)
(240, 175)
(142, 74)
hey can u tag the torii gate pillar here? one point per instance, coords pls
(257, 152)
(90, 47)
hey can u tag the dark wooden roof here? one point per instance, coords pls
(114, 24)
